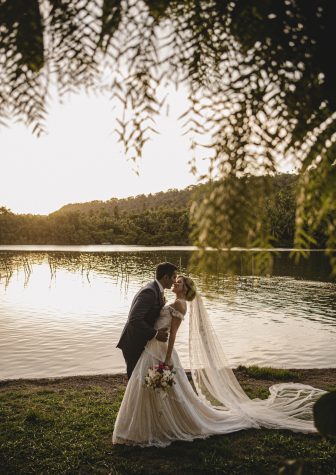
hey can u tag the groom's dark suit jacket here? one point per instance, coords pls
(139, 328)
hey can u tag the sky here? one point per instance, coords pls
(80, 159)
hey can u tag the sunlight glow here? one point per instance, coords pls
(80, 159)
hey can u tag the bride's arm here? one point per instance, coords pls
(175, 323)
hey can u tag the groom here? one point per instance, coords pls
(145, 310)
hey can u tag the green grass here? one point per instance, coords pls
(68, 430)
(268, 373)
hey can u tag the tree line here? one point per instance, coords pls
(156, 219)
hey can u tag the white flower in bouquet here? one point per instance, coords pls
(160, 377)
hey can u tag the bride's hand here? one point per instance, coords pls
(169, 363)
(162, 334)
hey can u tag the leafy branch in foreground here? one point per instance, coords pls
(261, 86)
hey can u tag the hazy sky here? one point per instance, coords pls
(80, 160)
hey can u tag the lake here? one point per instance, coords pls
(62, 309)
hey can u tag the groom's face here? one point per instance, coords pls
(169, 280)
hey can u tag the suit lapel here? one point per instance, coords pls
(159, 295)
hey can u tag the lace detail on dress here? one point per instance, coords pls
(176, 313)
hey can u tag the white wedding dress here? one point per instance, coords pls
(150, 418)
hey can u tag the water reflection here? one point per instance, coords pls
(61, 313)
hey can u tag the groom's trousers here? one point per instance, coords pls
(131, 362)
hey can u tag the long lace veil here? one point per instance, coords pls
(289, 405)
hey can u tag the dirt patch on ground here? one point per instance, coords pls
(319, 378)
(111, 383)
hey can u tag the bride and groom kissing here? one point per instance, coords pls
(217, 404)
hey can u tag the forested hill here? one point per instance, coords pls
(155, 219)
(173, 199)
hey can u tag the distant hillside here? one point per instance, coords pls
(171, 199)
(155, 219)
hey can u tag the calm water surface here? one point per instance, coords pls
(62, 309)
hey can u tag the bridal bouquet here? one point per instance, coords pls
(160, 377)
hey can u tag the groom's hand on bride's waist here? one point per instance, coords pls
(162, 334)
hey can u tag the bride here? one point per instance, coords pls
(219, 405)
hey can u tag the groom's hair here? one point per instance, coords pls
(165, 268)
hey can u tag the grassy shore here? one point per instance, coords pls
(64, 425)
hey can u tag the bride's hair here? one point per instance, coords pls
(190, 287)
